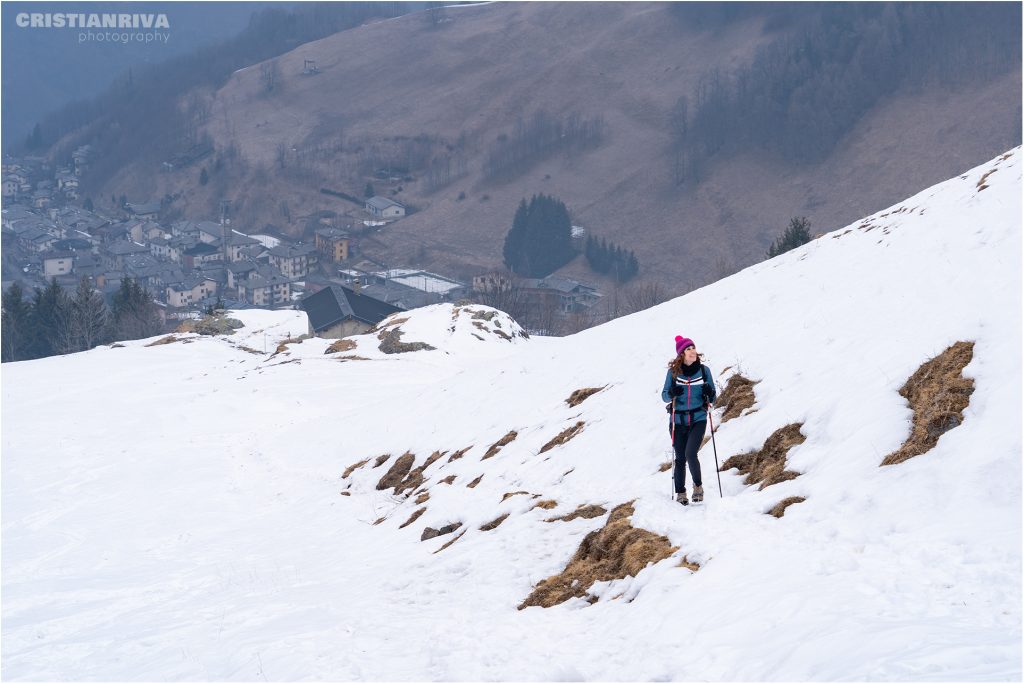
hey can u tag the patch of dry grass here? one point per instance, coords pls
(354, 466)
(737, 396)
(423, 498)
(563, 436)
(496, 447)
(475, 482)
(448, 480)
(586, 511)
(546, 504)
(667, 465)
(938, 394)
(580, 395)
(451, 541)
(342, 345)
(170, 339)
(780, 508)
(459, 454)
(380, 460)
(415, 477)
(510, 494)
(981, 181)
(494, 523)
(412, 518)
(615, 551)
(767, 465)
(398, 472)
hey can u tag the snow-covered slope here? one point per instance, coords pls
(179, 511)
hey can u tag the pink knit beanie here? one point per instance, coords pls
(682, 343)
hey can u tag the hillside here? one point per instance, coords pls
(404, 89)
(248, 511)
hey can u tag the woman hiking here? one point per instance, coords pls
(690, 388)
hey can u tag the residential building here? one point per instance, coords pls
(338, 311)
(294, 261)
(269, 291)
(57, 263)
(384, 208)
(333, 243)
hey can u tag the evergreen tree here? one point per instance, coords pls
(17, 325)
(90, 319)
(134, 312)
(540, 240)
(798, 233)
(51, 309)
(368, 190)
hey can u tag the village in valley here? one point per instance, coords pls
(191, 267)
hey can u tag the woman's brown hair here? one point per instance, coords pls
(676, 364)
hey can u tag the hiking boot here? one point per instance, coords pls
(698, 494)
(681, 498)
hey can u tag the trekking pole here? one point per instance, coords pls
(711, 424)
(673, 433)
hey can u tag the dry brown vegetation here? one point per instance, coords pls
(615, 551)
(415, 477)
(380, 460)
(423, 498)
(981, 181)
(451, 541)
(391, 343)
(494, 523)
(397, 473)
(413, 517)
(341, 346)
(586, 511)
(354, 357)
(737, 396)
(563, 436)
(475, 482)
(448, 480)
(509, 494)
(546, 504)
(767, 465)
(667, 465)
(938, 394)
(459, 454)
(496, 447)
(170, 339)
(578, 397)
(779, 509)
(348, 471)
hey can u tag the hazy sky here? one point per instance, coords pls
(45, 68)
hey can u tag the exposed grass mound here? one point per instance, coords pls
(780, 508)
(380, 460)
(415, 477)
(494, 523)
(391, 343)
(667, 465)
(423, 498)
(546, 504)
(509, 494)
(218, 324)
(474, 483)
(170, 339)
(938, 394)
(615, 551)
(496, 447)
(587, 511)
(341, 346)
(580, 395)
(397, 472)
(447, 480)
(768, 465)
(459, 454)
(354, 466)
(563, 436)
(737, 396)
(413, 517)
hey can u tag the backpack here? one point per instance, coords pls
(707, 379)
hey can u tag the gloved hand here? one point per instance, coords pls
(707, 394)
(675, 391)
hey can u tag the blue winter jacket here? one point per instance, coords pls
(688, 408)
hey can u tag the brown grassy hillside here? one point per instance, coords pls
(473, 76)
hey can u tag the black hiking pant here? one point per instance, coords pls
(686, 442)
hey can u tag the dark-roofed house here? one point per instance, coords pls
(147, 210)
(237, 243)
(384, 208)
(116, 252)
(337, 311)
(198, 253)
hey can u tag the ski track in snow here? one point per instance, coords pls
(173, 513)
